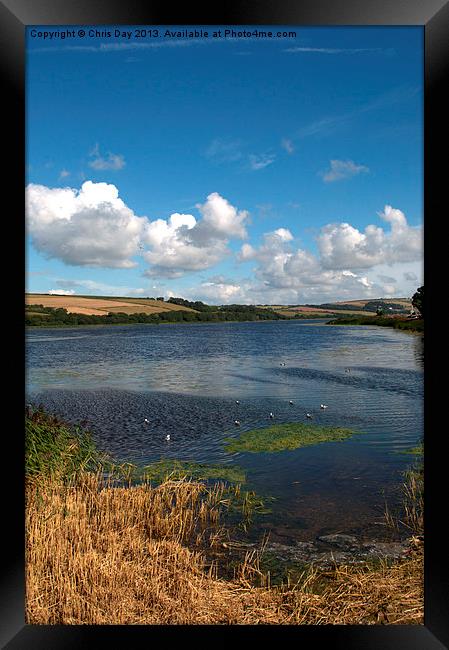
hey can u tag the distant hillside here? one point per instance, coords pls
(74, 309)
(345, 308)
(102, 305)
(44, 310)
(398, 303)
(389, 305)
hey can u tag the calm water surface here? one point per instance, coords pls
(186, 379)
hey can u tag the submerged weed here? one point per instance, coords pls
(286, 436)
(177, 469)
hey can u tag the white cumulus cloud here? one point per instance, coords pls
(87, 227)
(221, 218)
(182, 244)
(349, 263)
(61, 292)
(221, 292)
(93, 227)
(343, 246)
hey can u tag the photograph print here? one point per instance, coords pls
(224, 318)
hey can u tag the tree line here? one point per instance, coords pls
(38, 315)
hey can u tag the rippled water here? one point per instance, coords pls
(186, 379)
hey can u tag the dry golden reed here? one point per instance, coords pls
(113, 555)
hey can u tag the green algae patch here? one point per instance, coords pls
(281, 437)
(178, 469)
(413, 451)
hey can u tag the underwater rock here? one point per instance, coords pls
(328, 551)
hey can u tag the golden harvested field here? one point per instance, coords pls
(405, 302)
(129, 308)
(291, 311)
(161, 306)
(102, 306)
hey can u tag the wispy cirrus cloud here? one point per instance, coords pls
(342, 169)
(327, 124)
(338, 50)
(224, 150)
(111, 161)
(287, 145)
(121, 47)
(115, 47)
(260, 161)
(70, 287)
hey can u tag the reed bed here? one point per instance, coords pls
(114, 555)
(117, 555)
(102, 554)
(410, 516)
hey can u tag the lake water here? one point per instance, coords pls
(185, 379)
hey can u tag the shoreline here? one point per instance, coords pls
(206, 322)
(165, 552)
(412, 326)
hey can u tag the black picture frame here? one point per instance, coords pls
(433, 16)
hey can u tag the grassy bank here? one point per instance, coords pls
(99, 553)
(410, 325)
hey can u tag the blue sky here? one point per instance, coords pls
(293, 166)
